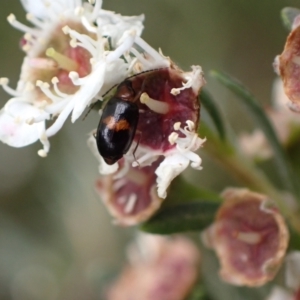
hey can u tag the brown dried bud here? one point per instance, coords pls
(249, 236)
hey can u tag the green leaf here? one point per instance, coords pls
(182, 217)
(288, 15)
(253, 107)
(214, 112)
(182, 191)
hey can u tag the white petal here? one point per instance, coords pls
(14, 128)
(88, 90)
(171, 167)
(114, 25)
(41, 8)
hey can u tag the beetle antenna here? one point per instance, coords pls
(137, 144)
(93, 105)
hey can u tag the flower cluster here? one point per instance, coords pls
(76, 52)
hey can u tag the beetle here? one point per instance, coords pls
(118, 123)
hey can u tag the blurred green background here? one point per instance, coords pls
(56, 238)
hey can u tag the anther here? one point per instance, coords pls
(191, 125)
(4, 81)
(54, 80)
(251, 238)
(63, 61)
(28, 36)
(39, 83)
(66, 29)
(42, 153)
(173, 138)
(73, 43)
(155, 105)
(29, 17)
(177, 126)
(11, 18)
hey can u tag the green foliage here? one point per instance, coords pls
(214, 112)
(253, 107)
(182, 217)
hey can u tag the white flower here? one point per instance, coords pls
(159, 133)
(178, 159)
(71, 60)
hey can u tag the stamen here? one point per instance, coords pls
(34, 20)
(44, 140)
(13, 21)
(251, 238)
(155, 105)
(97, 7)
(140, 57)
(190, 125)
(42, 153)
(55, 81)
(4, 83)
(28, 37)
(130, 204)
(152, 52)
(45, 87)
(63, 61)
(173, 138)
(177, 126)
(85, 41)
(125, 46)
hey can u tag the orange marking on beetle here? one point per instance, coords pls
(117, 126)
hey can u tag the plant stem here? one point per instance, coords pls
(247, 174)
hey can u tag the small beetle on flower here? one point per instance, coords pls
(75, 53)
(152, 105)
